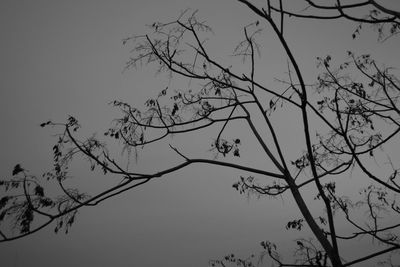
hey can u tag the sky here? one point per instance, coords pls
(61, 58)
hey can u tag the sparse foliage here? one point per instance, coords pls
(356, 101)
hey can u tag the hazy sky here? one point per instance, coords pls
(62, 58)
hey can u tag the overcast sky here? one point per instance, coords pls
(62, 58)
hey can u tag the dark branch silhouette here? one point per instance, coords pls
(355, 101)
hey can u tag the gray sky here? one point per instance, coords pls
(62, 58)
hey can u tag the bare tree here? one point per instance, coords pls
(355, 101)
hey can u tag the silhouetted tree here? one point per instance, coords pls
(353, 107)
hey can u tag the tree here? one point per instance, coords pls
(351, 108)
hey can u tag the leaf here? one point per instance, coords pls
(3, 201)
(163, 92)
(322, 220)
(175, 109)
(45, 123)
(17, 169)
(71, 220)
(271, 104)
(27, 218)
(39, 191)
(46, 202)
(2, 215)
(236, 186)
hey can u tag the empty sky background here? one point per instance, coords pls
(62, 58)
